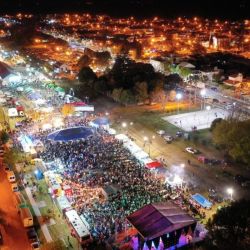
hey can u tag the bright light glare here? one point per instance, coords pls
(57, 122)
(230, 191)
(46, 126)
(178, 96)
(203, 92)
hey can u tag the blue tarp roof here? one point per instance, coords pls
(101, 121)
(70, 134)
(34, 96)
(202, 200)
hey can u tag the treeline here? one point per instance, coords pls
(128, 82)
(233, 137)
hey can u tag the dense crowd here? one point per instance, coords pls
(91, 167)
(102, 161)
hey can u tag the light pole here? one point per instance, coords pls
(203, 93)
(149, 142)
(178, 97)
(208, 108)
(230, 192)
(124, 125)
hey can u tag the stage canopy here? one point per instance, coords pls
(157, 219)
(70, 134)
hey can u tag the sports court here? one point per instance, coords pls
(200, 119)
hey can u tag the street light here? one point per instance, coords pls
(178, 97)
(149, 142)
(208, 108)
(203, 93)
(230, 192)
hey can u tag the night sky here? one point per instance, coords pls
(238, 9)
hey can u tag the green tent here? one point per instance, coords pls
(51, 86)
(59, 89)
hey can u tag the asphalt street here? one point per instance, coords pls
(14, 234)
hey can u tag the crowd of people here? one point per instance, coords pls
(102, 161)
(91, 166)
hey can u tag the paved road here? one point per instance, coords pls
(14, 234)
(240, 105)
(202, 176)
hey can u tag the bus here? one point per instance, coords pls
(79, 228)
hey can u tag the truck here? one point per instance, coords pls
(26, 217)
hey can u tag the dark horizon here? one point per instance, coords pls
(221, 9)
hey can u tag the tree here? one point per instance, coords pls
(171, 81)
(84, 61)
(233, 136)
(230, 227)
(116, 94)
(87, 76)
(184, 72)
(214, 123)
(102, 58)
(126, 97)
(160, 96)
(101, 85)
(4, 137)
(141, 91)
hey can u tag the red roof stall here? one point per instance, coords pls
(154, 164)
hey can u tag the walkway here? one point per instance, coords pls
(37, 212)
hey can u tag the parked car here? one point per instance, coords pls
(191, 150)
(245, 184)
(239, 179)
(230, 106)
(14, 187)
(214, 88)
(35, 246)
(32, 235)
(7, 168)
(168, 138)
(160, 132)
(1, 238)
(179, 134)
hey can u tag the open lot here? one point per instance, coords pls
(200, 119)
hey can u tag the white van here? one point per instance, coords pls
(11, 176)
(26, 217)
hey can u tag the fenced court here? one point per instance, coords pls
(200, 119)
